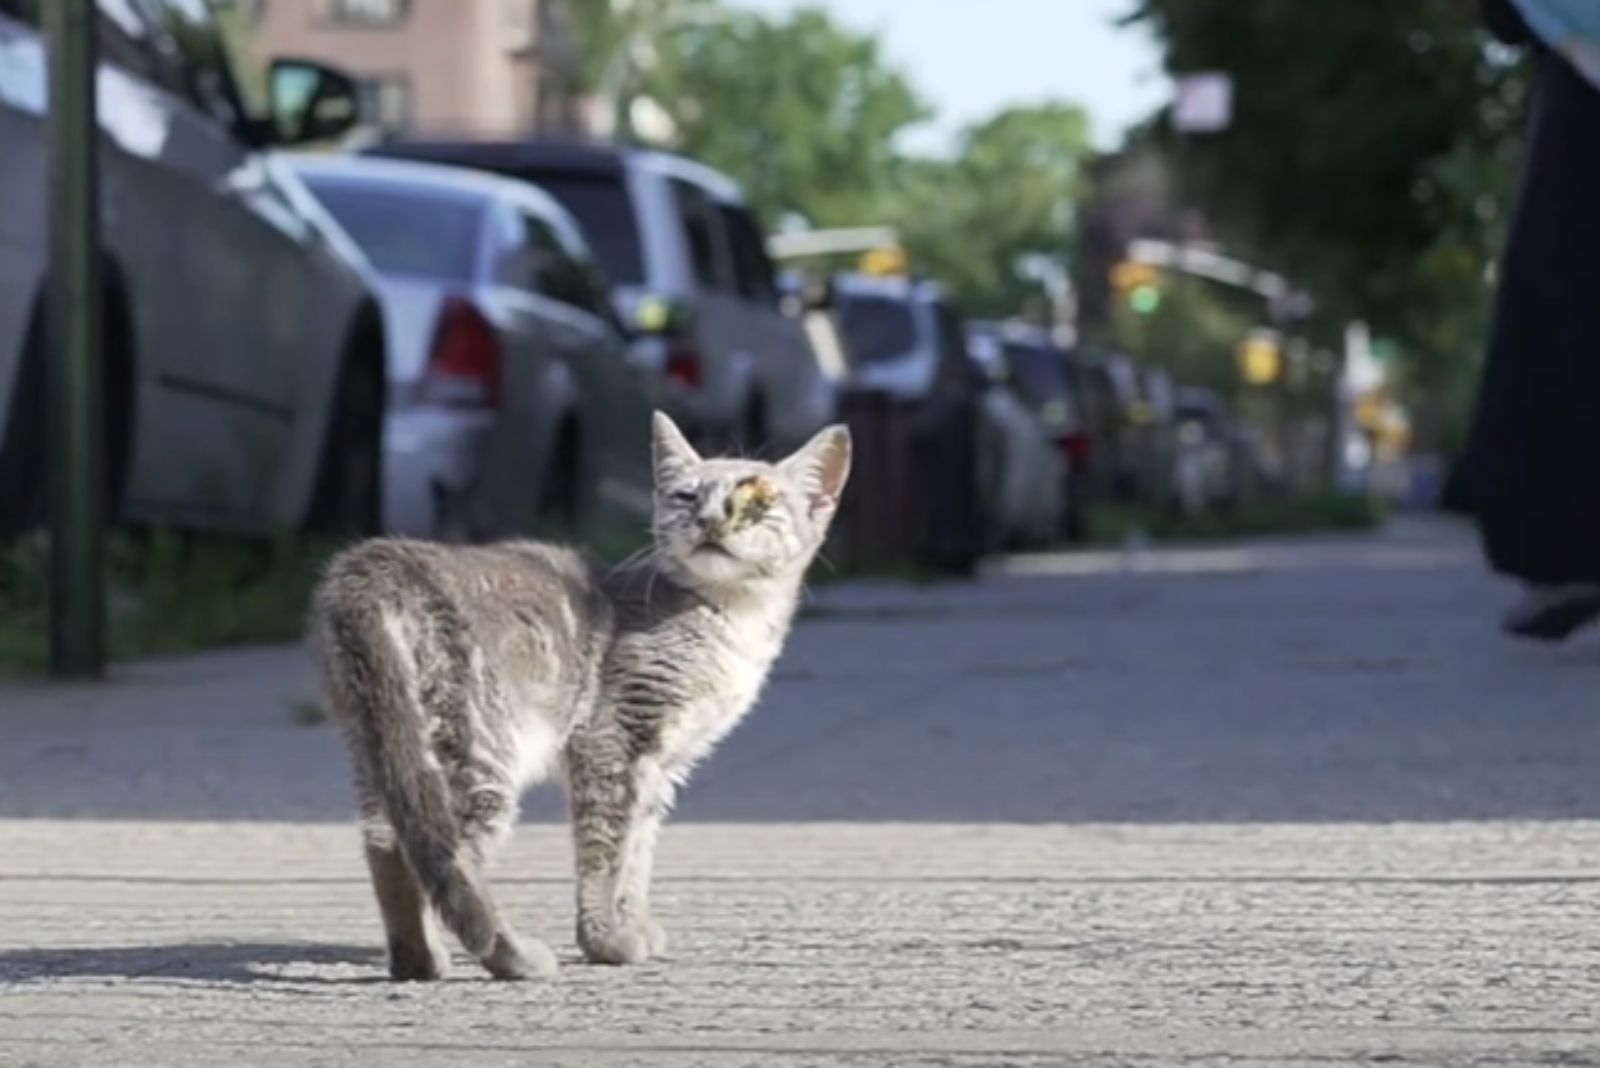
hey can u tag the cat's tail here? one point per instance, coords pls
(371, 683)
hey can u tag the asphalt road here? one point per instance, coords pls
(1280, 804)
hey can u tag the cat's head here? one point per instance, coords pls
(724, 522)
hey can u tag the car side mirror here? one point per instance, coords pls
(311, 102)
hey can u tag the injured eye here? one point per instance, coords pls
(751, 500)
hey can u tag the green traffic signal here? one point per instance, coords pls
(1145, 299)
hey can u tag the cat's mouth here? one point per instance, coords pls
(713, 548)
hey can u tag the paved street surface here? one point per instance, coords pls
(1287, 804)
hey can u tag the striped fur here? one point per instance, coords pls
(462, 675)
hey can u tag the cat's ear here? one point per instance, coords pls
(821, 467)
(672, 453)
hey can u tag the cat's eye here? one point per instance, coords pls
(686, 496)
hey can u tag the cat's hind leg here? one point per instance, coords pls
(413, 945)
(487, 810)
(414, 950)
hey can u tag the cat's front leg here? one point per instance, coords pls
(652, 800)
(614, 832)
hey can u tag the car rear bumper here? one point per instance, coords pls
(433, 465)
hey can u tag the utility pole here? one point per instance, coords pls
(77, 586)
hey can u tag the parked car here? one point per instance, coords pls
(1038, 376)
(692, 274)
(243, 350)
(1116, 417)
(1158, 440)
(1206, 453)
(512, 398)
(903, 339)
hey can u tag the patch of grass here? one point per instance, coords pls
(166, 594)
(1306, 513)
(169, 594)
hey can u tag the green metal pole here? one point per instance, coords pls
(77, 588)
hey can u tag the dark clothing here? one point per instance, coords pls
(1505, 22)
(1531, 474)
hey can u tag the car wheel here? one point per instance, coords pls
(1075, 520)
(561, 498)
(23, 465)
(348, 501)
(24, 449)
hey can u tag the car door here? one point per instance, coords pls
(796, 394)
(613, 395)
(220, 263)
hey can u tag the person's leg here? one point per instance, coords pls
(1527, 473)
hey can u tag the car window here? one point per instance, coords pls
(405, 233)
(204, 71)
(602, 206)
(704, 236)
(752, 269)
(536, 256)
(1038, 373)
(877, 329)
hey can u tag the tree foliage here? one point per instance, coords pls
(1007, 193)
(808, 115)
(1371, 154)
(803, 112)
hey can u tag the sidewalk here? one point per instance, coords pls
(1282, 805)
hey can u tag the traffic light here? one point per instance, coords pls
(1139, 284)
(1260, 358)
(1145, 299)
(884, 263)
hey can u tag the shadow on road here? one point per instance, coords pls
(218, 962)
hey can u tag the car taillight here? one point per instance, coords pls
(1075, 447)
(464, 362)
(683, 363)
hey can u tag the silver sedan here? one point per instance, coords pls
(514, 403)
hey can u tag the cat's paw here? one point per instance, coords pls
(516, 958)
(620, 946)
(414, 963)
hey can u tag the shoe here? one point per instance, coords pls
(1553, 613)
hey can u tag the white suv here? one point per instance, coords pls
(244, 353)
(692, 278)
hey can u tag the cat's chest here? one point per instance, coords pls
(726, 688)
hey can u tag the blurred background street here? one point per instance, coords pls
(1148, 708)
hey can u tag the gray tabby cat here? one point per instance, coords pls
(462, 675)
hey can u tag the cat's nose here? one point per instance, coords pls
(709, 518)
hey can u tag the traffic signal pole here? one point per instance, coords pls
(77, 586)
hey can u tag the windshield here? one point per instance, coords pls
(1038, 371)
(417, 234)
(605, 213)
(877, 329)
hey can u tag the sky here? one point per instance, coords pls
(1032, 50)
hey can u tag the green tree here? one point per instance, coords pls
(1370, 156)
(1007, 195)
(802, 111)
